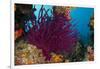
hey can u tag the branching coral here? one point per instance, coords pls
(54, 35)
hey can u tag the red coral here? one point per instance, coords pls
(53, 36)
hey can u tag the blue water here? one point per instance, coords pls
(82, 16)
(38, 7)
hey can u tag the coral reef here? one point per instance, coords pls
(48, 34)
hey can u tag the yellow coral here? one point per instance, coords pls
(56, 58)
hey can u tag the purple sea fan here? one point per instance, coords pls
(54, 36)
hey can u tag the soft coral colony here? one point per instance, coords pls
(54, 35)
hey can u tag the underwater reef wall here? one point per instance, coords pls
(51, 34)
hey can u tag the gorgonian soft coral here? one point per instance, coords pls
(53, 35)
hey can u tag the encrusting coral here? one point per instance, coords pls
(28, 54)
